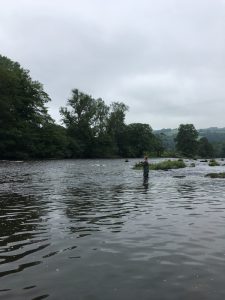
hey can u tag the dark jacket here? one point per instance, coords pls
(145, 168)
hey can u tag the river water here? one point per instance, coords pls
(89, 229)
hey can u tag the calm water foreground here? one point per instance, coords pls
(89, 229)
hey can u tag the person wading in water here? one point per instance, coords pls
(145, 170)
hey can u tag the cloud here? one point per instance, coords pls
(163, 58)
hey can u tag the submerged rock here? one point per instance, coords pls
(216, 175)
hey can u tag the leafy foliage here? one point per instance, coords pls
(95, 129)
(98, 130)
(164, 165)
(138, 139)
(25, 125)
(213, 163)
(213, 148)
(186, 140)
(90, 127)
(205, 149)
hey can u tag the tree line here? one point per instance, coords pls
(208, 142)
(90, 128)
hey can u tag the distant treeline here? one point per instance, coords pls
(215, 136)
(90, 128)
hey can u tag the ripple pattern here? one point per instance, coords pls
(90, 228)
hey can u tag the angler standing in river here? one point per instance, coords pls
(145, 169)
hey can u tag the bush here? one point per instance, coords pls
(213, 163)
(164, 165)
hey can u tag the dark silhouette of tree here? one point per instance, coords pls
(25, 125)
(205, 149)
(186, 140)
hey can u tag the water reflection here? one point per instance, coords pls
(21, 233)
(145, 182)
(96, 206)
(187, 189)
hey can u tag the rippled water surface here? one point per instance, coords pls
(89, 229)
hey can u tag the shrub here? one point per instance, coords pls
(213, 163)
(164, 165)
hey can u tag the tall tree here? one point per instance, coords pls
(116, 126)
(158, 144)
(79, 119)
(139, 139)
(186, 140)
(22, 110)
(205, 149)
(86, 120)
(222, 152)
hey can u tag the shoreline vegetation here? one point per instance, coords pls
(213, 163)
(89, 127)
(164, 165)
(177, 164)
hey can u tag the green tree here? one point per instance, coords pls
(52, 142)
(78, 119)
(116, 126)
(86, 120)
(158, 144)
(22, 110)
(205, 149)
(139, 139)
(222, 152)
(186, 140)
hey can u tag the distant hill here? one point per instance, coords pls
(167, 136)
(213, 134)
(166, 131)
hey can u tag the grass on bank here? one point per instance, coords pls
(164, 165)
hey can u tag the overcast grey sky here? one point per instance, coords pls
(165, 59)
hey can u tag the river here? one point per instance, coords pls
(89, 229)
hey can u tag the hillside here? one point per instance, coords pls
(213, 134)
